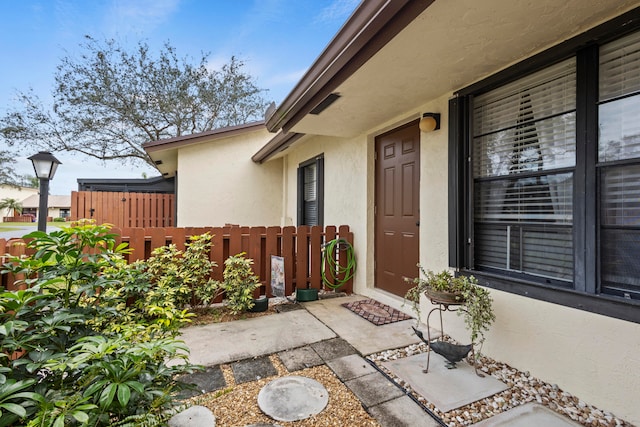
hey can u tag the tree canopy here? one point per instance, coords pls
(8, 174)
(108, 101)
(11, 205)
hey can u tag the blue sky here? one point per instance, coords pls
(277, 39)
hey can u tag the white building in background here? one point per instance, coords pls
(58, 206)
(15, 192)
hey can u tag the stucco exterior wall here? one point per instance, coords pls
(219, 184)
(345, 189)
(591, 356)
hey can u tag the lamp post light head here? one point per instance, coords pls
(44, 164)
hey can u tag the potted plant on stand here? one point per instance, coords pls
(444, 289)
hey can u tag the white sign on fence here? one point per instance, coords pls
(277, 276)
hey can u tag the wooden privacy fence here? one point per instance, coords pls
(124, 209)
(301, 248)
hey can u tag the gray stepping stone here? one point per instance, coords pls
(293, 398)
(446, 388)
(529, 415)
(402, 412)
(209, 380)
(195, 416)
(248, 370)
(350, 367)
(300, 358)
(373, 389)
(333, 348)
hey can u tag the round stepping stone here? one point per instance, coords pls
(292, 398)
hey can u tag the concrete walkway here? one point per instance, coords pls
(324, 332)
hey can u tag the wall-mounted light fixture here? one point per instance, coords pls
(430, 122)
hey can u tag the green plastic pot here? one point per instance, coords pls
(309, 294)
(260, 304)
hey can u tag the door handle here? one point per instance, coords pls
(417, 223)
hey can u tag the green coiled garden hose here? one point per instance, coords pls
(331, 269)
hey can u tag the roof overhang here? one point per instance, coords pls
(276, 145)
(392, 58)
(164, 152)
(370, 27)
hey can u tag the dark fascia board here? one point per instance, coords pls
(373, 24)
(181, 141)
(151, 180)
(278, 143)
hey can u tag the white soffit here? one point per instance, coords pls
(452, 44)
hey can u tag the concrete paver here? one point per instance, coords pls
(529, 415)
(446, 388)
(210, 379)
(373, 389)
(227, 342)
(333, 348)
(366, 337)
(350, 367)
(402, 412)
(253, 369)
(300, 358)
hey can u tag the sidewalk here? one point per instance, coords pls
(324, 332)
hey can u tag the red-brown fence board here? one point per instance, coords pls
(288, 252)
(124, 210)
(300, 247)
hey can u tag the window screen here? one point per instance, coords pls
(523, 160)
(619, 166)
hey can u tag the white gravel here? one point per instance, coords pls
(523, 388)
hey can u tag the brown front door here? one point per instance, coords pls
(397, 208)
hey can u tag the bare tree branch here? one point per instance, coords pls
(109, 101)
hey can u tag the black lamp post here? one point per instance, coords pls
(45, 165)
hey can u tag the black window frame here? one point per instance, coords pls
(584, 295)
(318, 161)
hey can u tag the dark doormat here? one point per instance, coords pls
(376, 312)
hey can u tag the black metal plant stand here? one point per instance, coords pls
(443, 306)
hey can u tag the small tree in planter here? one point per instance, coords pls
(239, 283)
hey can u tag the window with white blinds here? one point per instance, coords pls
(544, 174)
(619, 165)
(524, 151)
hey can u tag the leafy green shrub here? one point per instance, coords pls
(58, 219)
(183, 278)
(239, 283)
(75, 351)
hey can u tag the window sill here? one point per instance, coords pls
(605, 305)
